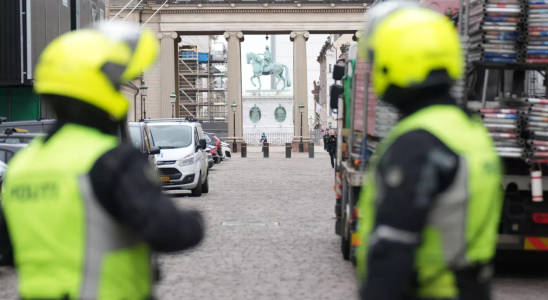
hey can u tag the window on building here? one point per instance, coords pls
(329, 69)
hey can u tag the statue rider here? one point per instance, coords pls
(267, 59)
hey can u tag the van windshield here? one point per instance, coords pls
(171, 136)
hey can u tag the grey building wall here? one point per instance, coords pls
(10, 42)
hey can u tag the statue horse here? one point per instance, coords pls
(276, 69)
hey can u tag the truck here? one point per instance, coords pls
(363, 120)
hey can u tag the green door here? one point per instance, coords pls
(19, 104)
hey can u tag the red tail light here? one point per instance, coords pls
(540, 218)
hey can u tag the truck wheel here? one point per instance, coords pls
(197, 191)
(353, 255)
(345, 248)
(205, 186)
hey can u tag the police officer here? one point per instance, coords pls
(83, 211)
(430, 207)
(263, 141)
(332, 148)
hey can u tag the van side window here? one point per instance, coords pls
(196, 138)
(147, 142)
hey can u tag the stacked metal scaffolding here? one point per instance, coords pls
(536, 44)
(202, 83)
(381, 116)
(495, 31)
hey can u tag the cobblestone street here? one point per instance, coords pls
(299, 259)
(253, 257)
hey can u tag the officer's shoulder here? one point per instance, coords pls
(418, 138)
(122, 154)
(416, 143)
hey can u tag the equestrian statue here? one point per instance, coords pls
(267, 66)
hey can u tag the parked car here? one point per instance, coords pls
(42, 126)
(142, 140)
(182, 162)
(17, 136)
(215, 154)
(212, 140)
(32, 126)
(7, 151)
(226, 150)
(210, 161)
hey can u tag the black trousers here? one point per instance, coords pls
(332, 155)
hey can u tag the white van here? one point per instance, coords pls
(182, 162)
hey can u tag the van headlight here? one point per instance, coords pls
(187, 161)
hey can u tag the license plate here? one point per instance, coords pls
(164, 179)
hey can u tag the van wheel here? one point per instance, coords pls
(197, 191)
(205, 186)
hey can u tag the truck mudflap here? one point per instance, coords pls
(522, 242)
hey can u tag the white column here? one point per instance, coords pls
(234, 88)
(300, 86)
(168, 70)
(323, 90)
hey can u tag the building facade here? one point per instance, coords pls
(27, 27)
(334, 48)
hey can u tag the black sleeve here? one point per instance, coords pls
(414, 170)
(127, 187)
(6, 249)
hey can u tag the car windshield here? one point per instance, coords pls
(171, 136)
(136, 137)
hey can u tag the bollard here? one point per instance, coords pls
(265, 152)
(243, 149)
(311, 150)
(287, 150)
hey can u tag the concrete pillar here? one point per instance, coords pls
(300, 87)
(168, 76)
(234, 88)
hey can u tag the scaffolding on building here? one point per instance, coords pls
(202, 82)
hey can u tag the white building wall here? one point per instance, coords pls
(313, 47)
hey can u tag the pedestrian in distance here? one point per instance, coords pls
(332, 148)
(430, 207)
(263, 141)
(325, 139)
(84, 212)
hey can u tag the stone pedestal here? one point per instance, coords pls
(267, 111)
(296, 142)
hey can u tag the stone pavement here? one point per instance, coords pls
(298, 259)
